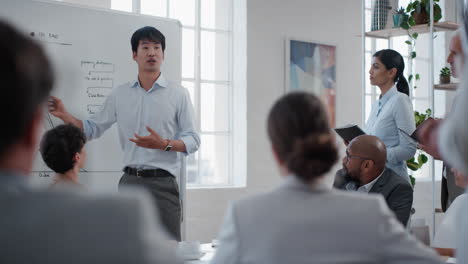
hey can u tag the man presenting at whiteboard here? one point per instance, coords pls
(155, 120)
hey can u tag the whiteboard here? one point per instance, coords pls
(91, 53)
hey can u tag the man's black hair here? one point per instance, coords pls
(147, 33)
(59, 146)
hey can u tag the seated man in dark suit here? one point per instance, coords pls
(364, 171)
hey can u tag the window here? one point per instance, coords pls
(207, 63)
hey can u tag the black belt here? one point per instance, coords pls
(147, 173)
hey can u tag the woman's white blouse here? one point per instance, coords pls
(392, 112)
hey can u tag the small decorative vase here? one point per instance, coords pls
(444, 79)
(397, 20)
(421, 18)
(404, 18)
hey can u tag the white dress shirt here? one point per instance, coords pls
(392, 112)
(166, 108)
(351, 186)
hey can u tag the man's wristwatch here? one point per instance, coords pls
(169, 146)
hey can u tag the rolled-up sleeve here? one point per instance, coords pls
(404, 119)
(100, 121)
(186, 119)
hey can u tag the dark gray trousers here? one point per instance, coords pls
(165, 192)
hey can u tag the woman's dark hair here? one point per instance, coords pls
(147, 33)
(59, 146)
(299, 132)
(392, 59)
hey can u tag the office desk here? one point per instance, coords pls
(209, 253)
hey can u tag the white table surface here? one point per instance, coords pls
(209, 253)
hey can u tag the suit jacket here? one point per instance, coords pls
(396, 191)
(297, 223)
(448, 189)
(69, 226)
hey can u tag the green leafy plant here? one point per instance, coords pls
(420, 9)
(399, 17)
(419, 159)
(421, 117)
(445, 71)
(400, 11)
(411, 42)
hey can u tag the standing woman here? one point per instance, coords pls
(393, 111)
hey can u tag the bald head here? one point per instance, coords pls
(455, 56)
(371, 147)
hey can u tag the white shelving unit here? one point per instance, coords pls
(430, 29)
(446, 87)
(420, 29)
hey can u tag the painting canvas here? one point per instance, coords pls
(312, 67)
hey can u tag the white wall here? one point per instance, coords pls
(93, 3)
(422, 202)
(269, 22)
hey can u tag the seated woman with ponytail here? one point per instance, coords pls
(393, 111)
(302, 220)
(62, 149)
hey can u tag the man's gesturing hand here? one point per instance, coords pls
(152, 141)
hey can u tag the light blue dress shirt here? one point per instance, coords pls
(393, 111)
(166, 108)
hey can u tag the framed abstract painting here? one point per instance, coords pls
(311, 66)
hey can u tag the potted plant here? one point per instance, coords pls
(420, 9)
(398, 17)
(444, 75)
(419, 159)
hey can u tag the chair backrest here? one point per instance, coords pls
(422, 233)
(419, 229)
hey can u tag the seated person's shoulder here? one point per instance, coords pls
(356, 205)
(126, 200)
(352, 197)
(397, 180)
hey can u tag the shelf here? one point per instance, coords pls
(446, 87)
(424, 28)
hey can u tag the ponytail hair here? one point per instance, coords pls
(402, 85)
(300, 134)
(392, 59)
